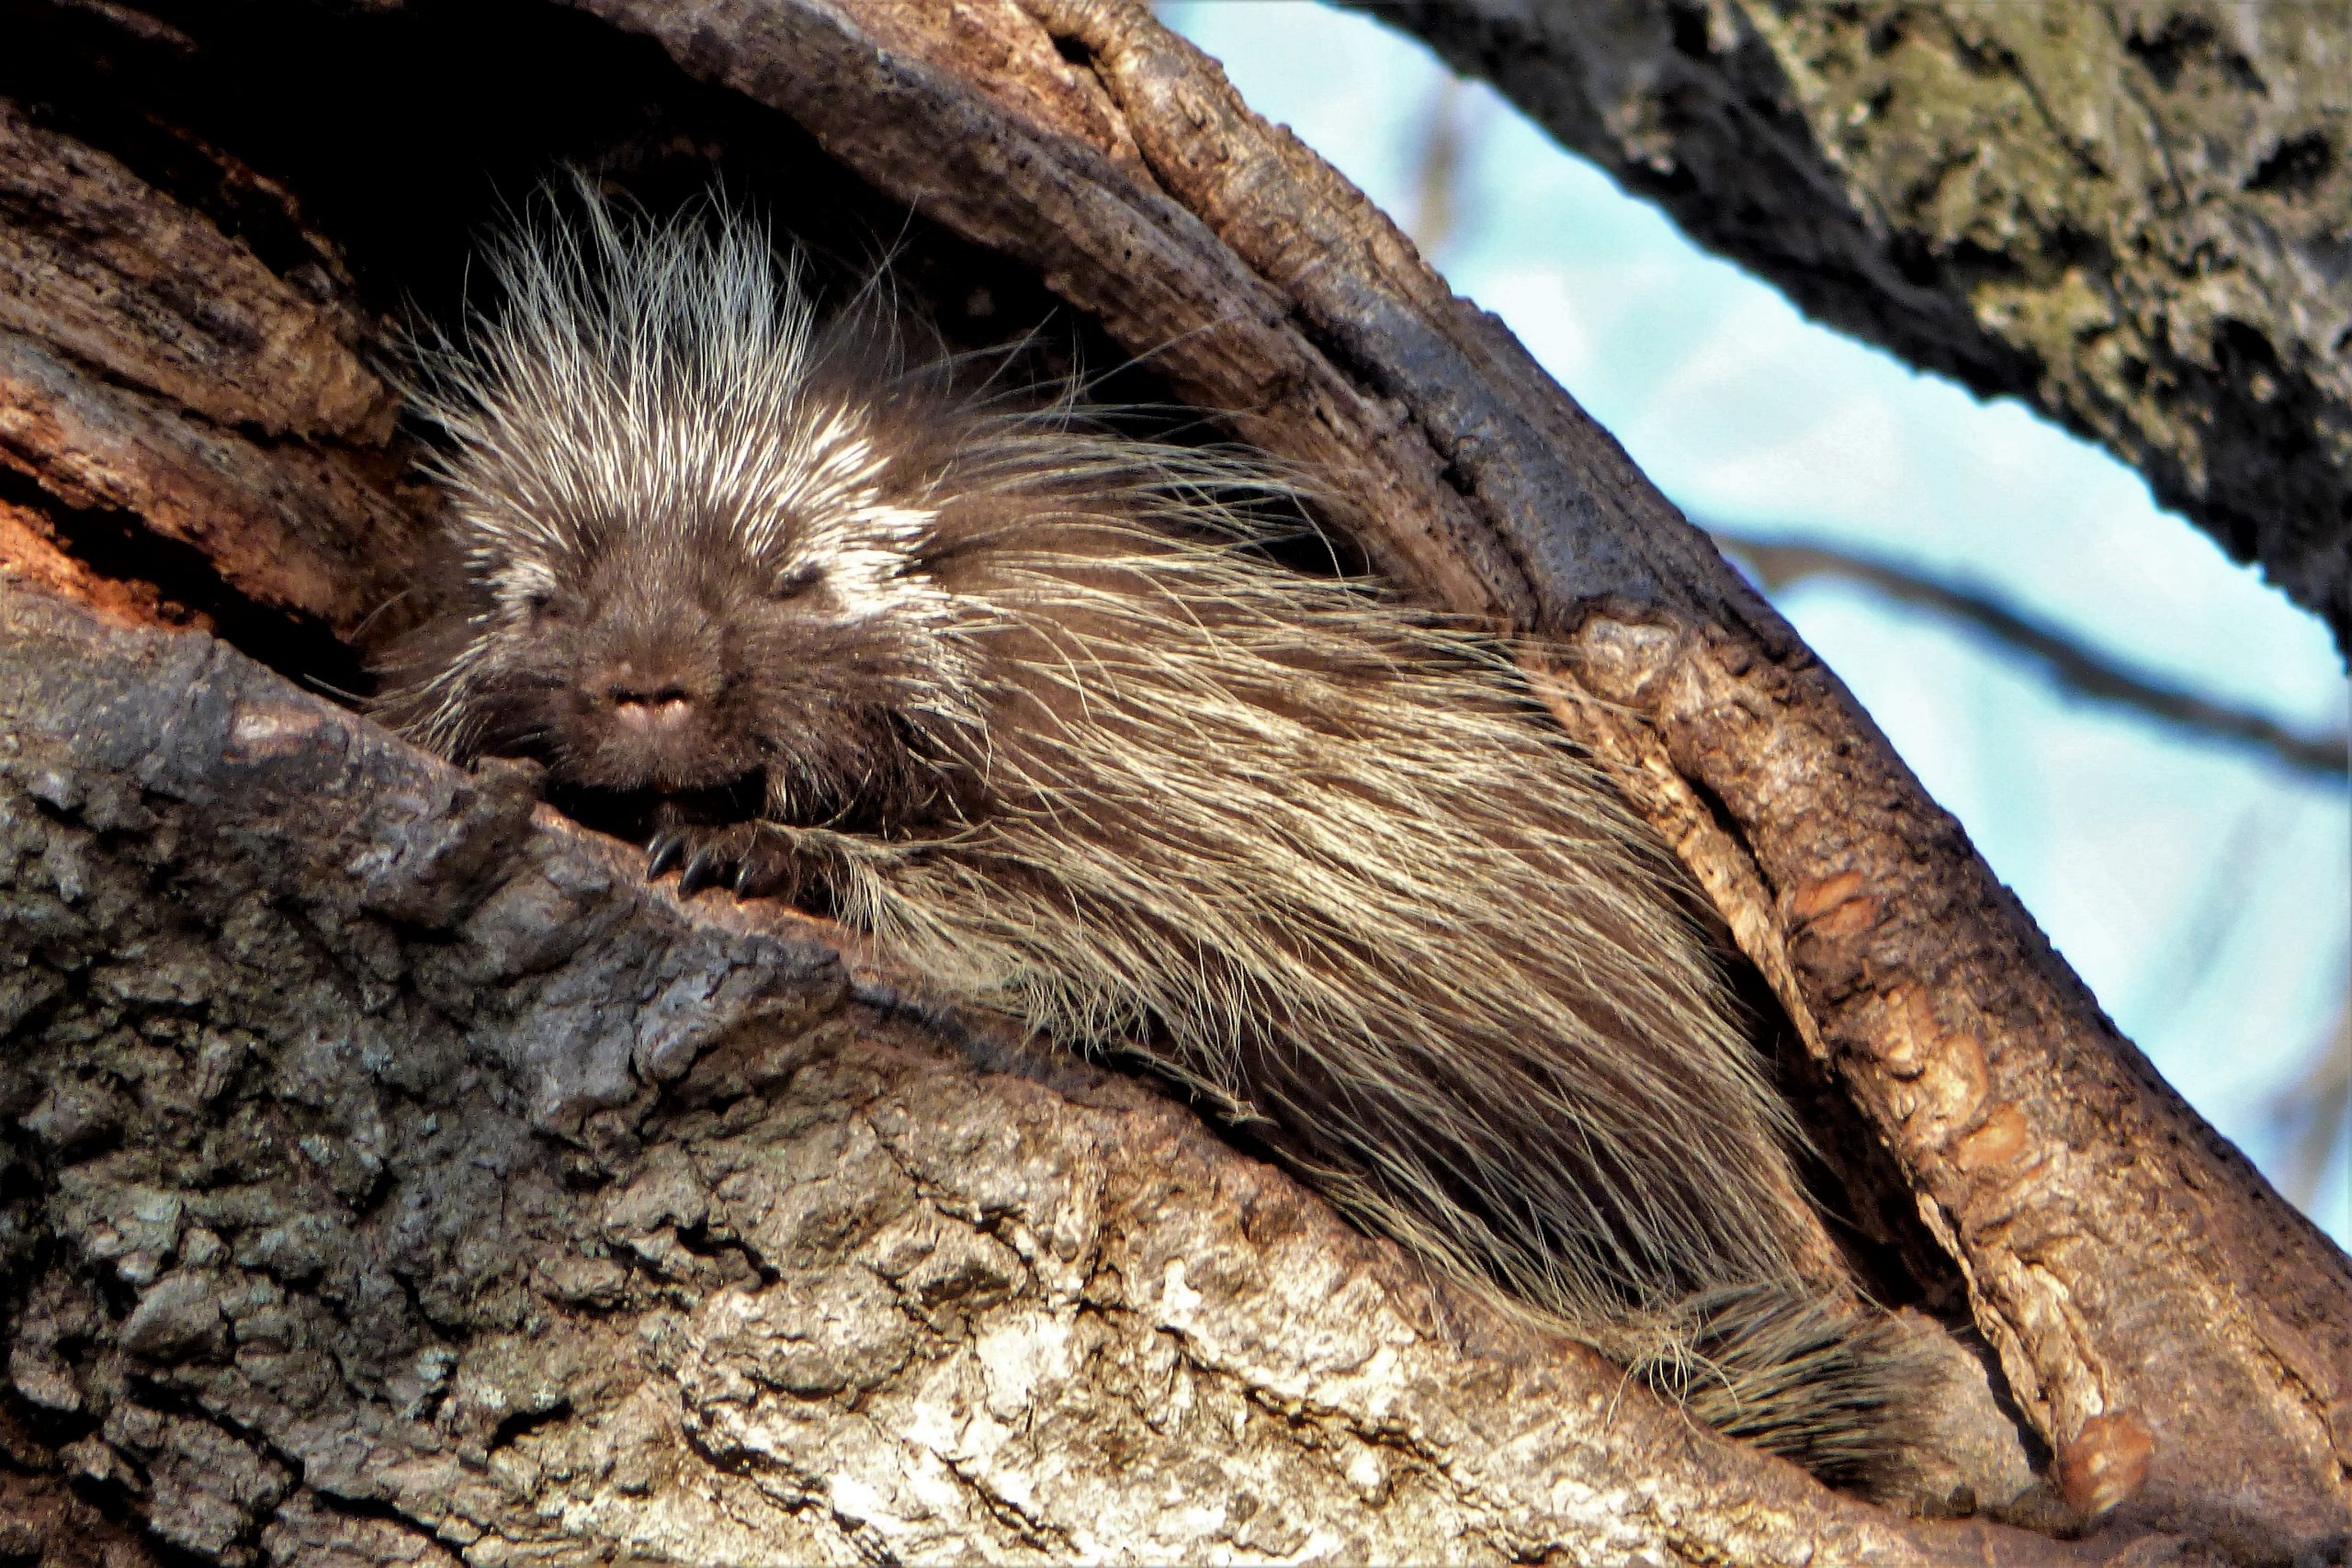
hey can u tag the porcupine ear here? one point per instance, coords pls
(422, 672)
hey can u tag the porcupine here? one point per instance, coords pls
(1029, 702)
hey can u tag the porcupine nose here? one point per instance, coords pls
(647, 703)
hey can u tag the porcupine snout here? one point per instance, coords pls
(651, 703)
(646, 707)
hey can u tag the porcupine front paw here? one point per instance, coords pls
(753, 861)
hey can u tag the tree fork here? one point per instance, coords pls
(647, 1074)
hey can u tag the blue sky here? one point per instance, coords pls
(2204, 891)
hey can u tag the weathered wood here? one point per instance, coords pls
(153, 369)
(2180, 1334)
(122, 278)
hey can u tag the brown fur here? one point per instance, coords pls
(1029, 703)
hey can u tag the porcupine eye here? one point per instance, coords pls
(794, 580)
(543, 607)
(532, 604)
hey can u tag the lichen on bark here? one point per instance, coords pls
(2128, 213)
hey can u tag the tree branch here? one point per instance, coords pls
(1908, 966)
(428, 1063)
(1778, 563)
(2128, 215)
(414, 1178)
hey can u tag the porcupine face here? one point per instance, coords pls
(648, 666)
(694, 558)
(703, 641)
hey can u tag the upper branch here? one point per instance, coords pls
(2130, 215)
(2126, 1263)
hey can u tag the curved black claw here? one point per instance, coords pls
(740, 856)
(664, 850)
(770, 870)
(704, 869)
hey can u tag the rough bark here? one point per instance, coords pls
(394, 1173)
(399, 1178)
(2130, 213)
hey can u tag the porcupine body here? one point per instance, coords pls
(1028, 702)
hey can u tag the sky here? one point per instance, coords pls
(2201, 889)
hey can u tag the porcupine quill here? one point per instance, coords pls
(1028, 701)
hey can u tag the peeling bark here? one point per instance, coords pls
(395, 1177)
(148, 365)
(2130, 214)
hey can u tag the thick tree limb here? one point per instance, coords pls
(2138, 1278)
(147, 364)
(456, 1195)
(2128, 213)
(2179, 1334)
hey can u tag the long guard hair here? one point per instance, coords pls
(1028, 701)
